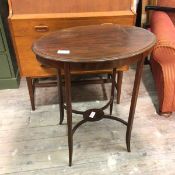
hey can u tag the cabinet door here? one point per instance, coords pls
(4, 67)
(1, 43)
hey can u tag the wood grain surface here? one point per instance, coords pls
(95, 43)
(68, 6)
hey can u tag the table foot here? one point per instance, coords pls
(70, 152)
(128, 144)
(31, 89)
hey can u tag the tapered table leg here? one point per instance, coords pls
(112, 89)
(31, 91)
(69, 109)
(119, 85)
(138, 76)
(60, 96)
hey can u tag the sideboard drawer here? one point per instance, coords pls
(1, 44)
(40, 26)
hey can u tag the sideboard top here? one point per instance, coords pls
(67, 6)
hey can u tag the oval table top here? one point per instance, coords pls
(94, 43)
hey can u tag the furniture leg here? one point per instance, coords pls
(60, 96)
(31, 90)
(165, 114)
(69, 109)
(119, 85)
(135, 91)
(112, 89)
(108, 76)
(104, 91)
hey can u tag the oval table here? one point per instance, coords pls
(94, 47)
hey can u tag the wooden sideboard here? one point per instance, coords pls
(31, 19)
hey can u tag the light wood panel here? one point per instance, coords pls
(68, 6)
(30, 26)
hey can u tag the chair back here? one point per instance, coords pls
(168, 3)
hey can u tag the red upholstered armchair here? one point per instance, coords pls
(162, 24)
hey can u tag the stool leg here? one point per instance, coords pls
(135, 91)
(60, 96)
(31, 90)
(119, 85)
(69, 109)
(112, 89)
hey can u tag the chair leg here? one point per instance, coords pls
(119, 85)
(31, 90)
(165, 114)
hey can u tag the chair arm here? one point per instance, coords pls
(163, 28)
(160, 8)
(164, 52)
(165, 45)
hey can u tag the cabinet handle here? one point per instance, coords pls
(41, 28)
(107, 23)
